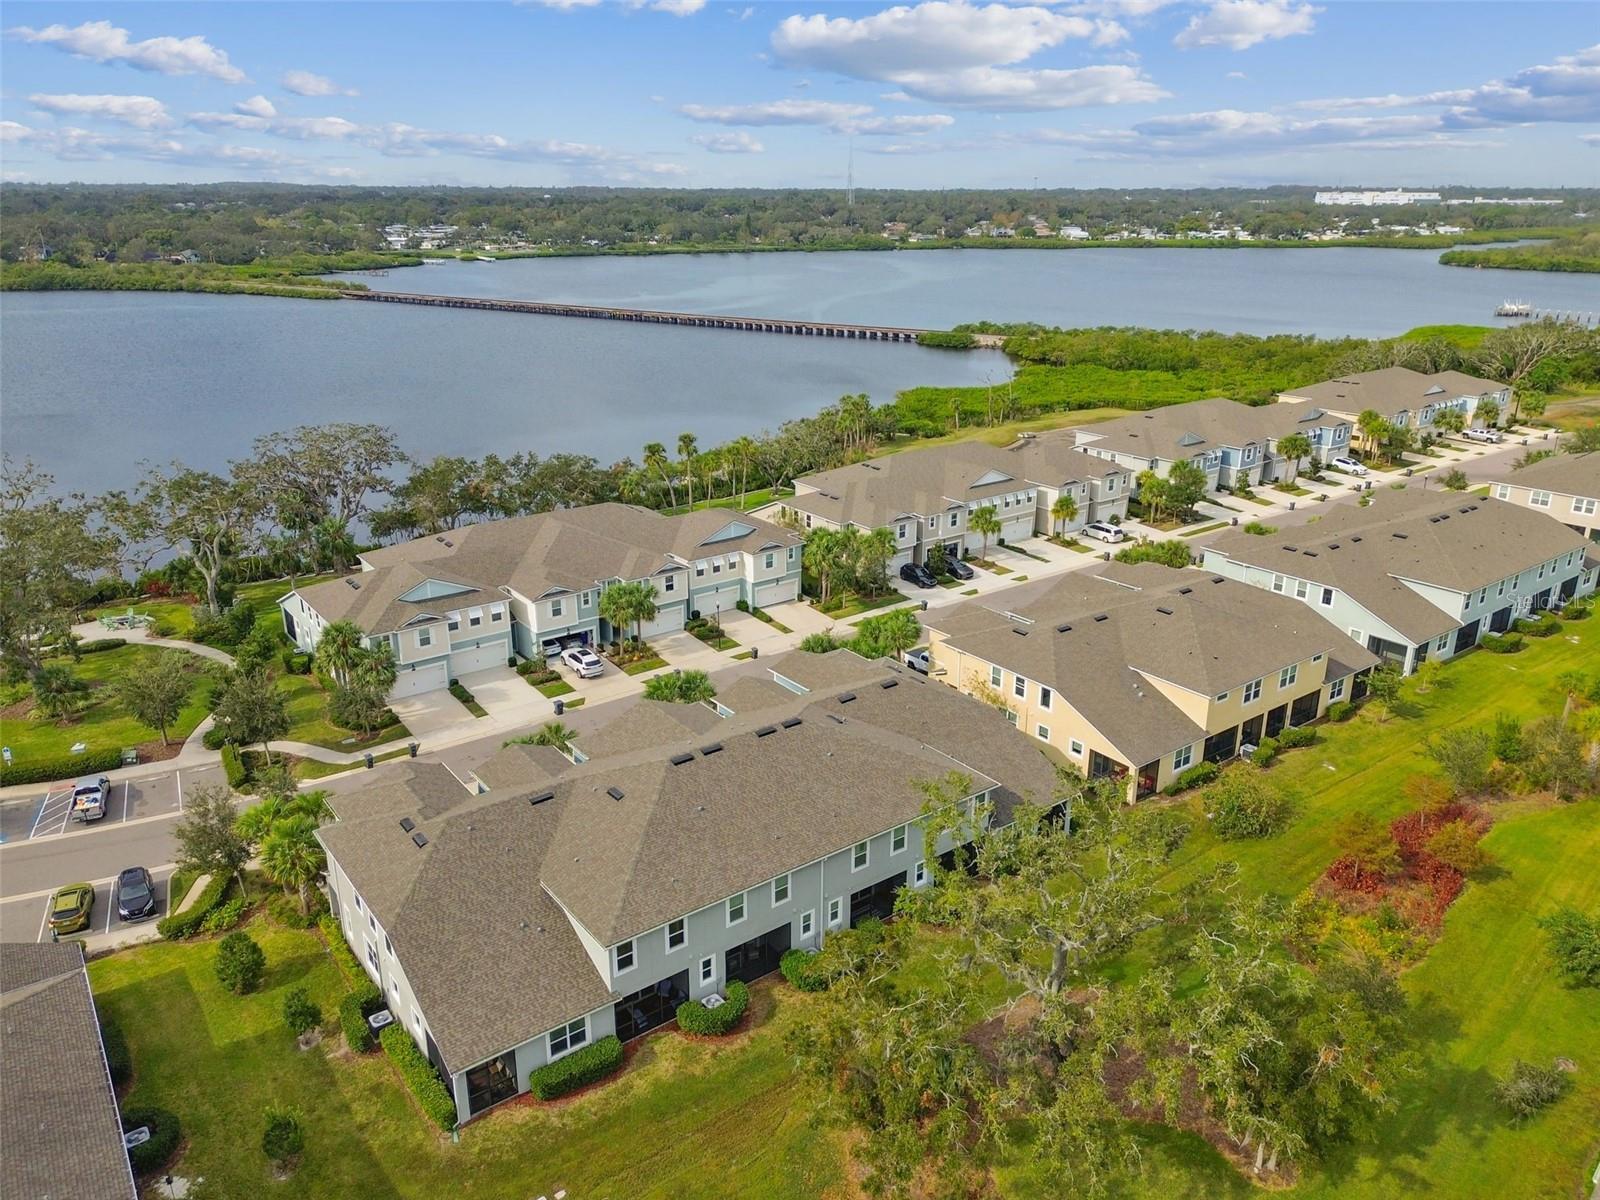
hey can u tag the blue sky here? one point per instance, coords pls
(942, 93)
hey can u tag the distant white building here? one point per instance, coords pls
(1369, 198)
(1520, 201)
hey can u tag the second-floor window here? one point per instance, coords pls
(900, 531)
(735, 909)
(677, 934)
(474, 616)
(1539, 499)
(555, 608)
(770, 561)
(669, 584)
(1287, 676)
(1252, 691)
(424, 637)
(780, 889)
(624, 956)
(994, 676)
(954, 518)
(897, 839)
(1327, 597)
(1044, 696)
(1582, 504)
(859, 856)
(497, 612)
(453, 620)
(1019, 687)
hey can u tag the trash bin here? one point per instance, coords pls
(413, 748)
(560, 708)
(755, 652)
(368, 757)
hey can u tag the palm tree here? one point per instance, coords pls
(688, 445)
(57, 692)
(292, 857)
(257, 821)
(655, 458)
(820, 557)
(743, 450)
(375, 668)
(1064, 511)
(628, 603)
(1294, 447)
(986, 523)
(1451, 420)
(555, 734)
(339, 648)
(871, 554)
(1373, 429)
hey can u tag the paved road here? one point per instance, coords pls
(40, 849)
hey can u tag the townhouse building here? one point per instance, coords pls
(1234, 444)
(1405, 398)
(1564, 486)
(927, 497)
(1141, 671)
(1415, 575)
(472, 598)
(570, 898)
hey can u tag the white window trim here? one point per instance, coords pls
(835, 912)
(919, 873)
(616, 957)
(1075, 748)
(1183, 758)
(666, 935)
(897, 839)
(866, 859)
(1043, 732)
(552, 1054)
(788, 890)
(708, 976)
(744, 909)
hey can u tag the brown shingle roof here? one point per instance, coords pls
(58, 1116)
(1391, 390)
(1569, 474)
(1180, 431)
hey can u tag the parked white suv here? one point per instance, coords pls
(1348, 465)
(1104, 531)
(585, 663)
(1482, 435)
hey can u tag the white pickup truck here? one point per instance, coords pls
(89, 797)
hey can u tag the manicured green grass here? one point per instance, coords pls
(652, 663)
(761, 614)
(179, 614)
(103, 724)
(854, 604)
(1205, 529)
(310, 768)
(264, 596)
(556, 687)
(308, 718)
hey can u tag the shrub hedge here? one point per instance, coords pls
(1266, 750)
(420, 1076)
(577, 1069)
(1196, 776)
(353, 1017)
(796, 965)
(1542, 626)
(224, 917)
(151, 1156)
(66, 766)
(100, 644)
(233, 766)
(1501, 643)
(695, 1017)
(188, 923)
(1340, 710)
(1296, 736)
(214, 738)
(337, 946)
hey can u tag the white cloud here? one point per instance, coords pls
(141, 112)
(891, 126)
(12, 131)
(777, 112)
(300, 129)
(898, 149)
(961, 54)
(1240, 24)
(1237, 75)
(107, 43)
(256, 106)
(564, 5)
(676, 8)
(1590, 139)
(308, 83)
(738, 142)
(1230, 131)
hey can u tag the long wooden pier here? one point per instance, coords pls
(550, 308)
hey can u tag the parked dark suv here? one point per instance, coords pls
(958, 569)
(135, 894)
(918, 574)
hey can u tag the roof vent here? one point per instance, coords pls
(1185, 591)
(1333, 545)
(407, 824)
(708, 751)
(1292, 549)
(1216, 579)
(766, 731)
(614, 792)
(352, 585)
(1401, 536)
(1101, 617)
(885, 685)
(1465, 511)
(1164, 611)
(1063, 628)
(678, 760)
(541, 798)
(847, 697)
(1309, 553)
(1355, 537)
(420, 838)
(790, 722)
(1020, 632)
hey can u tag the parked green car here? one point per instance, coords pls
(71, 908)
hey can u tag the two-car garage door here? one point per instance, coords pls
(669, 619)
(466, 661)
(416, 680)
(778, 592)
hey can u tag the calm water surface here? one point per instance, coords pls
(90, 383)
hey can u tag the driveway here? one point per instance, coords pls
(431, 713)
(687, 652)
(506, 696)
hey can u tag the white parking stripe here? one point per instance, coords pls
(44, 920)
(111, 904)
(124, 801)
(179, 774)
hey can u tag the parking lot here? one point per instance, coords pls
(50, 815)
(26, 918)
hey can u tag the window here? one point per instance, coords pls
(897, 839)
(1502, 491)
(1183, 758)
(900, 531)
(835, 912)
(622, 956)
(1075, 748)
(1358, 637)
(677, 934)
(919, 874)
(1327, 597)
(859, 856)
(1443, 641)
(808, 922)
(716, 566)
(1221, 696)
(1317, 657)
(1288, 675)
(1019, 687)
(1335, 689)
(497, 612)
(735, 909)
(699, 569)
(780, 889)
(1044, 696)
(475, 616)
(357, 895)
(669, 583)
(454, 621)
(388, 946)
(994, 676)
(372, 957)
(954, 517)
(933, 522)
(733, 562)
(1044, 733)
(555, 609)
(708, 969)
(584, 599)
(1581, 504)
(1539, 499)
(1278, 583)
(1302, 589)
(1252, 692)
(569, 1037)
(770, 561)
(424, 637)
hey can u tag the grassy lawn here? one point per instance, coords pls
(308, 718)
(556, 687)
(310, 768)
(761, 614)
(1007, 432)
(177, 613)
(640, 666)
(103, 723)
(1204, 529)
(854, 605)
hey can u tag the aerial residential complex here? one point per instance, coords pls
(679, 849)
(1405, 398)
(1415, 575)
(1563, 486)
(1142, 671)
(927, 497)
(471, 598)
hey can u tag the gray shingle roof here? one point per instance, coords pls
(59, 1122)
(1180, 431)
(498, 868)
(648, 723)
(1390, 390)
(1569, 474)
(1458, 542)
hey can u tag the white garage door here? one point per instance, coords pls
(464, 662)
(768, 594)
(418, 680)
(723, 598)
(668, 620)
